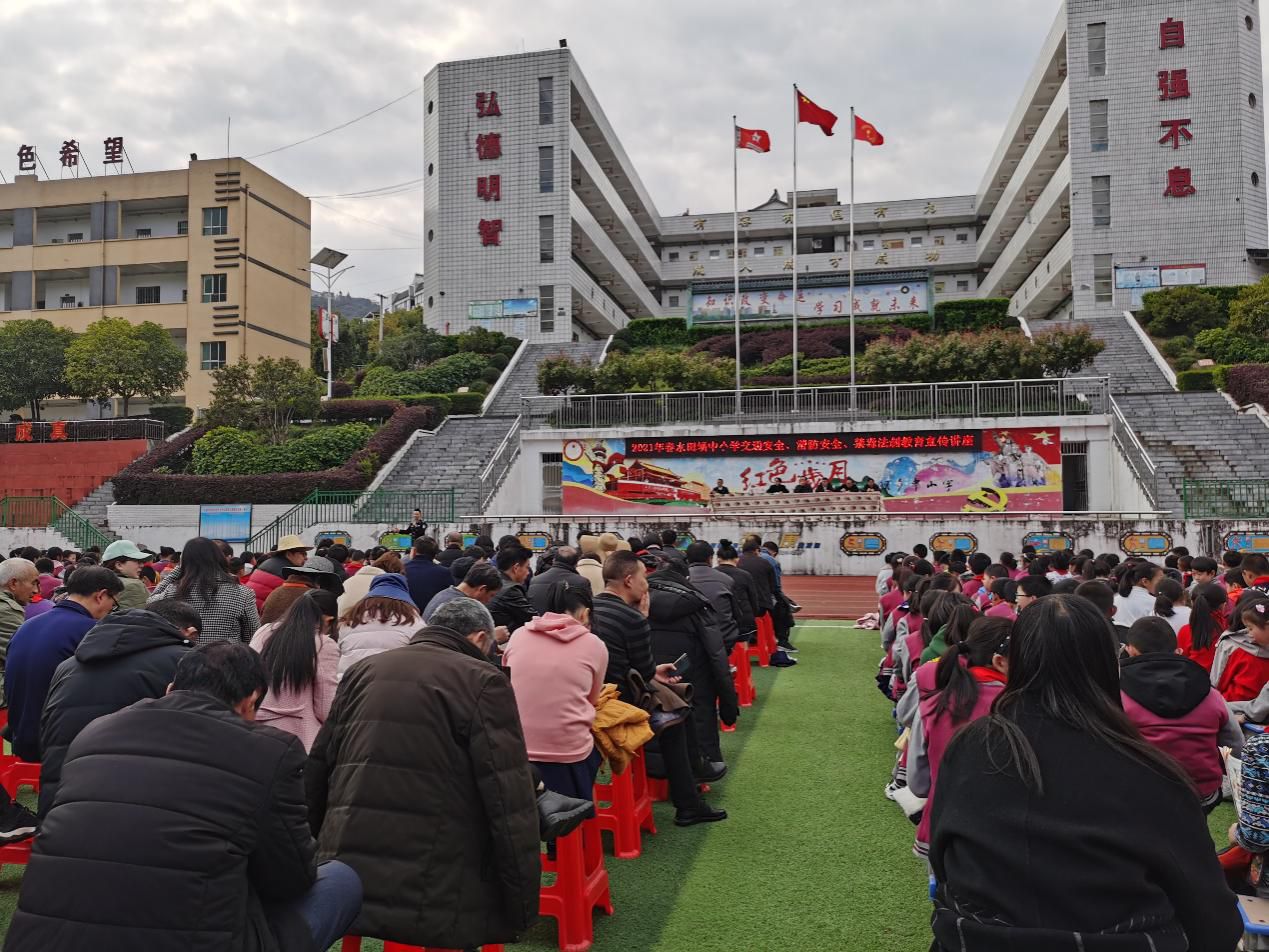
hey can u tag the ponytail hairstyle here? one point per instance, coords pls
(1207, 617)
(948, 607)
(958, 688)
(1009, 560)
(727, 551)
(290, 655)
(1134, 575)
(1167, 595)
(928, 594)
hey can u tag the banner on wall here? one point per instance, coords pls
(1013, 470)
(230, 522)
(906, 297)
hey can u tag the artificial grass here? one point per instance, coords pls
(812, 855)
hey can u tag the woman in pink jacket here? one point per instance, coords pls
(557, 671)
(302, 658)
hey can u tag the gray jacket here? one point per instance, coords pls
(717, 587)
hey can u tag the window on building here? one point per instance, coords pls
(1103, 278)
(148, 295)
(75, 236)
(939, 286)
(962, 238)
(215, 288)
(674, 300)
(1097, 49)
(759, 252)
(814, 244)
(1099, 124)
(1101, 199)
(893, 244)
(546, 168)
(962, 284)
(714, 253)
(546, 238)
(940, 240)
(546, 308)
(182, 226)
(917, 241)
(144, 232)
(546, 100)
(869, 243)
(67, 300)
(777, 251)
(213, 354)
(216, 220)
(674, 256)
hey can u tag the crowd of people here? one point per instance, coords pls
(1067, 722)
(268, 751)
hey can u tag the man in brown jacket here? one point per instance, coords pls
(420, 781)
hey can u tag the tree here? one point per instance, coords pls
(232, 403)
(114, 358)
(33, 358)
(1184, 310)
(351, 351)
(284, 391)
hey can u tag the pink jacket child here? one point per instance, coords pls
(302, 712)
(557, 671)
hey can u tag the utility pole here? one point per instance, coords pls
(380, 318)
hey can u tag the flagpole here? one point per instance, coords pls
(851, 253)
(735, 244)
(795, 247)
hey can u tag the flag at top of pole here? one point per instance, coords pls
(815, 115)
(756, 140)
(867, 132)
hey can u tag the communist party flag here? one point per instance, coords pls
(815, 115)
(756, 139)
(867, 132)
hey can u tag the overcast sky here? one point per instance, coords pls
(938, 77)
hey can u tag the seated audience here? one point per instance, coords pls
(385, 619)
(428, 574)
(301, 660)
(1198, 636)
(272, 572)
(481, 582)
(226, 607)
(1240, 668)
(358, 584)
(511, 608)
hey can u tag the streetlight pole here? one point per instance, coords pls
(329, 259)
(381, 299)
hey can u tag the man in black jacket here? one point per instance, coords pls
(181, 826)
(620, 619)
(453, 549)
(743, 590)
(123, 659)
(563, 569)
(717, 587)
(511, 607)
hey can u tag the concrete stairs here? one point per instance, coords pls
(94, 507)
(523, 375)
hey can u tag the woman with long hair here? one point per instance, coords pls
(386, 618)
(357, 585)
(1135, 597)
(1198, 636)
(1172, 604)
(1056, 826)
(301, 658)
(227, 608)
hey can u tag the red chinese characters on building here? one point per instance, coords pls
(490, 231)
(1174, 84)
(487, 105)
(23, 433)
(489, 188)
(1180, 183)
(57, 432)
(489, 146)
(1177, 130)
(1171, 34)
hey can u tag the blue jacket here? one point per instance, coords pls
(425, 579)
(36, 650)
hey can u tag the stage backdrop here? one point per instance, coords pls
(1017, 470)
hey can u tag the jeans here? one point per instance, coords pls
(328, 908)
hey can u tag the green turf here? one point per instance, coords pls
(812, 857)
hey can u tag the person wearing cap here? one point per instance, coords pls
(316, 572)
(386, 618)
(124, 559)
(272, 572)
(591, 565)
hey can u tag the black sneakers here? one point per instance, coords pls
(17, 823)
(701, 813)
(710, 771)
(559, 815)
(781, 660)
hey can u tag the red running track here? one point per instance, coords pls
(831, 596)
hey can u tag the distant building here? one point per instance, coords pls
(408, 297)
(216, 253)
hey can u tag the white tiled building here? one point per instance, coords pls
(537, 222)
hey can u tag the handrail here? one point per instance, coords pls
(49, 512)
(1048, 396)
(363, 507)
(1135, 454)
(1225, 498)
(499, 464)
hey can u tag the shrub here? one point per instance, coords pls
(1184, 310)
(347, 410)
(1226, 345)
(174, 417)
(1180, 352)
(655, 332)
(478, 340)
(976, 314)
(1247, 383)
(381, 381)
(481, 387)
(438, 402)
(559, 374)
(228, 451)
(490, 375)
(341, 389)
(993, 355)
(499, 361)
(448, 374)
(1198, 379)
(466, 404)
(653, 371)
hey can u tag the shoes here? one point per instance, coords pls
(793, 606)
(710, 771)
(660, 720)
(788, 649)
(559, 815)
(891, 789)
(701, 813)
(781, 660)
(18, 823)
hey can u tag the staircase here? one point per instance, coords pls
(94, 508)
(1188, 435)
(461, 448)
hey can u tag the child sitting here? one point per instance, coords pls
(979, 562)
(1001, 604)
(1172, 603)
(1241, 666)
(1197, 638)
(1174, 705)
(1202, 571)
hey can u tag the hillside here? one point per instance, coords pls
(345, 305)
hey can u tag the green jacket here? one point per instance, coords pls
(936, 647)
(12, 615)
(134, 594)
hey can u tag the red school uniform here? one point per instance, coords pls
(1243, 676)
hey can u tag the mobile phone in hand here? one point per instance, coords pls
(680, 666)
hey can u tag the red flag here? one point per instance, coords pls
(815, 115)
(755, 139)
(867, 132)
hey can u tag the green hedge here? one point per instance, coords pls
(174, 417)
(465, 404)
(975, 314)
(459, 404)
(229, 451)
(1199, 379)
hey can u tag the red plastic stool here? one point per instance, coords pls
(15, 854)
(20, 773)
(766, 646)
(581, 886)
(743, 677)
(630, 809)
(659, 789)
(352, 943)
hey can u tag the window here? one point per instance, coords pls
(143, 233)
(917, 241)
(546, 100)
(693, 255)
(674, 256)
(940, 240)
(674, 300)
(546, 168)
(216, 221)
(777, 251)
(814, 244)
(869, 243)
(546, 308)
(148, 295)
(939, 287)
(1101, 200)
(1099, 124)
(75, 236)
(213, 354)
(182, 226)
(1103, 279)
(546, 238)
(67, 300)
(714, 253)
(1097, 49)
(962, 238)
(215, 288)
(759, 252)
(962, 284)
(893, 244)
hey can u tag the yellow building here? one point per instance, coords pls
(217, 254)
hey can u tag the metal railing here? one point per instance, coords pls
(1057, 396)
(1139, 461)
(77, 431)
(49, 512)
(337, 509)
(499, 464)
(1225, 498)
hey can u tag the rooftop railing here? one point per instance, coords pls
(1225, 498)
(77, 431)
(1057, 396)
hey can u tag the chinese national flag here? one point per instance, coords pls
(815, 115)
(755, 139)
(866, 132)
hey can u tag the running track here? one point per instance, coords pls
(831, 596)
